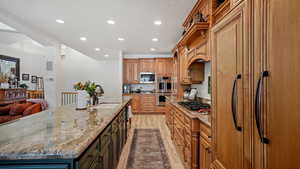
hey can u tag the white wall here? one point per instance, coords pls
(203, 88)
(33, 58)
(76, 67)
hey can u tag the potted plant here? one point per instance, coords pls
(94, 90)
(90, 89)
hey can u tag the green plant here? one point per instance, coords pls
(90, 87)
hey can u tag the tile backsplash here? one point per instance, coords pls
(203, 89)
(143, 87)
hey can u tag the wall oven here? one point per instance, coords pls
(164, 84)
(147, 77)
(161, 98)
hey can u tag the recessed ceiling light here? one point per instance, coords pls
(59, 21)
(111, 22)
(152, 49)
(106, 55)
(157, 22)
(97, 49)
(83, 38)
(121, 39)
(154, 39)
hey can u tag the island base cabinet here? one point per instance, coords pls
(106, 158)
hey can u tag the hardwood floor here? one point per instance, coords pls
(152, 121)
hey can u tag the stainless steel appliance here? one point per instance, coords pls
(161, 98)
(196, 106)
(126, 88)
(190, 93)
(147, 77)
(164, 84)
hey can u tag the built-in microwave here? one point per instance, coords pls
(147, 77)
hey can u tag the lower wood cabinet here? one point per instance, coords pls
(145, 103)
(191, 138)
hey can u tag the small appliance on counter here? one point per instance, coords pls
(126, 88)
(190, 93)
(147, 77)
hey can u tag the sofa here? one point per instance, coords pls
(18, 110)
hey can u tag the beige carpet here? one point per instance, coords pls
(147, 151)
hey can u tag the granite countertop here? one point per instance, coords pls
(63, 133)
(204, 118)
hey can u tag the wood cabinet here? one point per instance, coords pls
(190, 139)
(163, 67)
(135, 103)
(133, 67)
(148, 103)
(147, 65)
(131, 70)
(229, 78)
(205, 154)
(276, 85)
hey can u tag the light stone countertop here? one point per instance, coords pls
(63, 133)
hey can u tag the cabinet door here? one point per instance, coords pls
(131, 71)
(135, 103)
(106, 157)
(205, 154)
(228, 55)
(160, 67)
(147, 65)
(115, 148)
(277, 41)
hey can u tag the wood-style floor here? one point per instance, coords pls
(152, 121)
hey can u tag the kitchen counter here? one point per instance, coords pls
(204, 118)
(63, 133)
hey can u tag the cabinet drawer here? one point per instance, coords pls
(89, 156)
(205, 132)
(188, 122)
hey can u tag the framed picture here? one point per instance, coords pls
(33, 79)
(25, 77)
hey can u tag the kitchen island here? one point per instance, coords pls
(66, 139)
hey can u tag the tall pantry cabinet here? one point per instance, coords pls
(230, 74)
(276, 84)
(256, 86)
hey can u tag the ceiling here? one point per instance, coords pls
(134, 22)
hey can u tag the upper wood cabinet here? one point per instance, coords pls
(164, 66)
(133, 67)
(147, 65)
(229, 79)
(131, 70)
(276, 89)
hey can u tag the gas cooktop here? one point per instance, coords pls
(194, 106)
